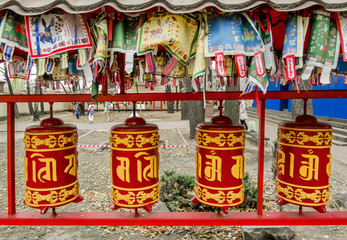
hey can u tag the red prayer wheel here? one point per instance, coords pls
(220, 163)
(303, 163)
(134, 164)
(51, 164)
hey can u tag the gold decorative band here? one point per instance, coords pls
(300, 186)
(139, 132)
(49, 133)
(132, 140)
(130, 197)
(134, 205)
(49, 149)
(217, 189)
(135, 189)
(307, 129)
(303, 146)
(221, 131)
(301, 137)
(51, 141)
(220, 198)
(54, 197)
(222, 148)
(134, 149)
(52, 189)
(297, 195)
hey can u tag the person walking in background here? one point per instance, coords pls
(108, 107)
(243, 113)
(77, 112)
(91, 112)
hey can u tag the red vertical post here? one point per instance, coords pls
(122, 73)
(161, 106)
(261, 157)
(153, 106)
(11, 191)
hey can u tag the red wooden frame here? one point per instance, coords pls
(163, 218)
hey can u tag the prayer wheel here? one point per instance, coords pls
(220, 163)
(134, 164)
(303, 163)
(50, 165)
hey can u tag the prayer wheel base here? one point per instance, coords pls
(321, 208)
(147, 208)
(225, 209)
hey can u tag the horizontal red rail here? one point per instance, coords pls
(175, 218)
(174, 96)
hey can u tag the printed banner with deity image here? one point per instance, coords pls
(159, 62)
(101, 37)
(50, 33)
(12, 31)
(323, 46)
(176, 32)
(318, 40)
(17, 68)
(232, 33)
(178, 71)
(58, 72)
(124, 34)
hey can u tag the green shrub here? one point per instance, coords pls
(250, 193)
(177, 190)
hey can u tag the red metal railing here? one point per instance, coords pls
(163, 218)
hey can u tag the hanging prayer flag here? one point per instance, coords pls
(294, 36)
(159, 62)
(82, 57)
(102, 36)
(331, 55)
(22, 84)
(248, 88)
(17, 69)
(124, 34)
(259, 64)
(12, 31)
(318, 41)
(290, 69)
(241, 65)
(41, 66)
(293, 46)
(229, 66)
(52, 33)
(199, 60)
(170, 66)
(266, 36)
(260, 81)
(232, 33)
(64, 61)
(58, 72)
(150, 62)
(176, 32)
(8, 53)
(30, 62)
(49, 65)
(15, 83)
(178, 70)
(220, 65)
(324, 46)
